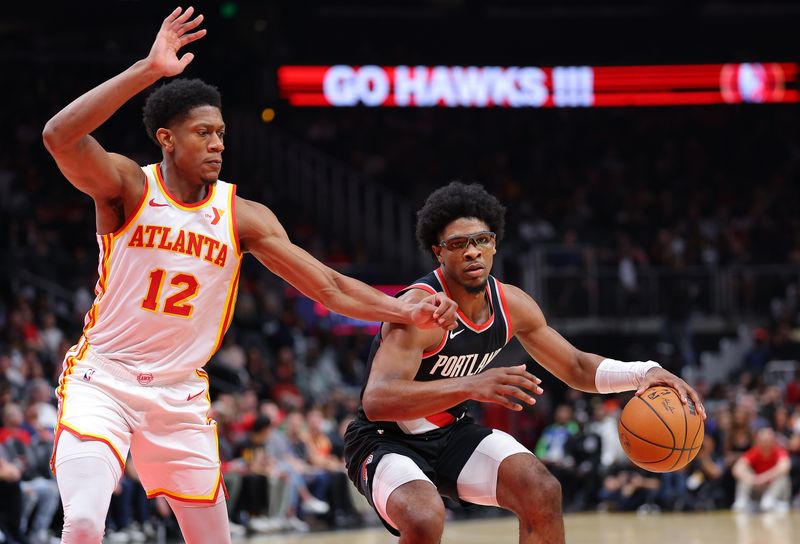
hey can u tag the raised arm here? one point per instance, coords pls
(107, 176)
(261, 234)
(391, 394)
(579, 369)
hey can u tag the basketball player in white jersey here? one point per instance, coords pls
(413, 440)
(171, 239)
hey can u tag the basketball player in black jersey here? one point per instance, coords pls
(412, 440)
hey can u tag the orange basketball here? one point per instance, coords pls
(658, 432)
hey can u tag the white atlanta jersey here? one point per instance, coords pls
(168, 282)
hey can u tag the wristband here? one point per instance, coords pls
(613, 376)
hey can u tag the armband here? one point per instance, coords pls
(613, 376)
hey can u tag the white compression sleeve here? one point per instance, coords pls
(87, 473)
(201, 523)
(613, 376)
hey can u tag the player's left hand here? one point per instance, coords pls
(175, 32)
(659, 376)
(433, 311)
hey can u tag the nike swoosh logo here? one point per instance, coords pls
(190, 397)
(453, 334)
(155, 204)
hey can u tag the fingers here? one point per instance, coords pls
(185, 16)
(172, 16)
(506, 402)
(517, 393)
(189, 38)
(698, 404)
(186, 59)
(194, 23)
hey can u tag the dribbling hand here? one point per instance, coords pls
(175, 32)
(501, 385)
(659, 376)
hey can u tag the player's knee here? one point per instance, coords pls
(550, 491)
(421, 522)
(423, 525)
(83, 529)
(540, 496)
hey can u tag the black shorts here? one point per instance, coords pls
(440, 454)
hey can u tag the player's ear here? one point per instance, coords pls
(166, 138)
(437, 251)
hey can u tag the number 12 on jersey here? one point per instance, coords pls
(175, 304)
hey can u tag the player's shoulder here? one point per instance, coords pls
(523, 308)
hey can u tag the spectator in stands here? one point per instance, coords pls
(763, 472)
(551, 449)
(261, 492)
(704, 481)
(627, 488)
(10, 499)
(30, 452)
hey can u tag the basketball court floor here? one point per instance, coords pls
(721, 527)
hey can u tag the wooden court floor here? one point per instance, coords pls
(701, 528)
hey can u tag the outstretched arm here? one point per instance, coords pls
(261, 234)
(391, 394)
(102, 175)
(579, 369)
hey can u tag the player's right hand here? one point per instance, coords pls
(501, 385)
(174, 34)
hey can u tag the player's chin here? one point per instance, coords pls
(208, 179)
(474, 285)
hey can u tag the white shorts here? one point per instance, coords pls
(165, 426)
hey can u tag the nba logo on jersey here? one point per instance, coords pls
(87, 376)
(144, 378)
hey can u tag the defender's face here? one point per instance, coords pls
(470, 266)
(197, 143)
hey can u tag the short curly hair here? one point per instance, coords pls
(173, 101)
(454, 201)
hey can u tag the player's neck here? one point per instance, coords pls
(473, 305)
(184, 190)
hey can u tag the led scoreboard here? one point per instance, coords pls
(537, 87)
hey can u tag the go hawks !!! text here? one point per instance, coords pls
(453, 86)
(186, 242)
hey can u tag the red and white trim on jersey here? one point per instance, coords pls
(232, 222)
(475, 327)
(425, 424)
(504, 310)
(174, 200)
(438, 348)
(227, 314)
(211, 498)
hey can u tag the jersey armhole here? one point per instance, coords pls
(136, 212)
(234, 226)
(504, 309)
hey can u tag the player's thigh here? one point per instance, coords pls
(176, 452)
(490, 469)
(526, 487)
(403, 495)
(92, 408)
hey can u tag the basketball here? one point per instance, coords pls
(658, 432)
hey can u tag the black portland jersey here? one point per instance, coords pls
(468, 349)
